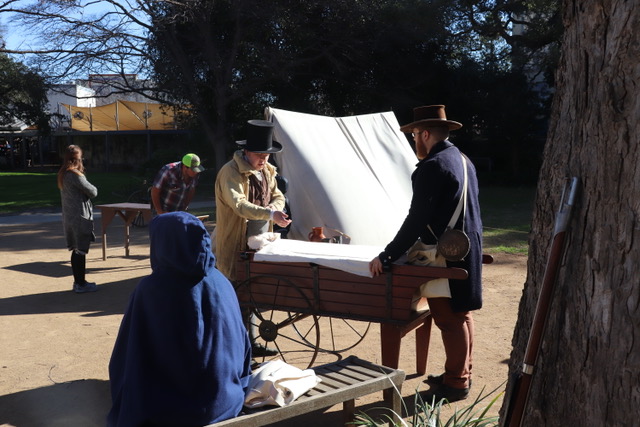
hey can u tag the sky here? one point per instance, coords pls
(15, 35)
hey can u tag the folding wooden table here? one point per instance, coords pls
(126, 211)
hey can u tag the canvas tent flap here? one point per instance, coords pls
(122, 116)
(352, 174)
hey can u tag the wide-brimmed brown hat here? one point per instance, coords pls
(430, 116)
(260, 138)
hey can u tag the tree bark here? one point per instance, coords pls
(588, 367)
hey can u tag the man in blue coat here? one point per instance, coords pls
(438, 183)
(182, 356)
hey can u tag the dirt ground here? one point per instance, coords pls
(55, 345)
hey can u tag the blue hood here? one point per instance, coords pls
(180, 244)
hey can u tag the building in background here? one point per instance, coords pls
(117, 128)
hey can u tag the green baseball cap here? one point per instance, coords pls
(192, 161)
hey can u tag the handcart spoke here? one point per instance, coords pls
(343, 334)
(278, 330)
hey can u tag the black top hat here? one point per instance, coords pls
(259, 138)
(430, 116)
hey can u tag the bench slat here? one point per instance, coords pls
(341, 381)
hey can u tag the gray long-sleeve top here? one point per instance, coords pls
(77, 210)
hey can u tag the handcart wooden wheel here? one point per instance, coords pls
(294, 335)
(283, 318)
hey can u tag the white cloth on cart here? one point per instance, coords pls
(350, 258)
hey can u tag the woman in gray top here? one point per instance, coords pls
(77, 214)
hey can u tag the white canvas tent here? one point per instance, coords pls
(352, 174)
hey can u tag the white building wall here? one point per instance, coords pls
(70, 94)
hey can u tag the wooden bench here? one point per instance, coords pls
(342, 382)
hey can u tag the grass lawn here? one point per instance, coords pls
(22, 191)
(506, 212)
(34, 190)
(506, 218)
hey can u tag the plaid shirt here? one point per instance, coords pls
(173, 189)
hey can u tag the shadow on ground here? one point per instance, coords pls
(82, 403)
(112, 298)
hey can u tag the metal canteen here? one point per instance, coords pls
(453, 245)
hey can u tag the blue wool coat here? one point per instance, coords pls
(437, 185)
(182, 355)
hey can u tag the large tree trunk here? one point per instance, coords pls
(588, 367)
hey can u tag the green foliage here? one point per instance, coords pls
(230, 59)
(22, 95)
(227, 60)
(429, 414)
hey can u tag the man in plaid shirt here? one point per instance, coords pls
(175, 184)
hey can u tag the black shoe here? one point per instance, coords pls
(258, 350)
(439, 380)
(435, 379)
(444, 392)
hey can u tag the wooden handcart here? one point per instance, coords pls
(289, 301)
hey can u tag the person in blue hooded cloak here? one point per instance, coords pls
(182, 356)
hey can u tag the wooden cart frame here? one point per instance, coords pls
(305, 292)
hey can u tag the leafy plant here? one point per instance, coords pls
(429, 414)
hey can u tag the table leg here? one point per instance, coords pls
(126, 239)
(128, 217)
(107, 217)
(104, 246)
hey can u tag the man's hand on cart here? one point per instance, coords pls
(375, 266)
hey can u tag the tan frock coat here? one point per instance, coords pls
(233, 209)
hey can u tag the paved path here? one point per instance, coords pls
(52, 215)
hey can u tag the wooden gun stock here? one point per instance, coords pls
(522, 382)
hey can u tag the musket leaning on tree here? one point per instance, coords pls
(520, 391)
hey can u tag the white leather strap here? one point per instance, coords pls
(462, 203)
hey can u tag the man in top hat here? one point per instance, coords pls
(438, 183)
(175, 184)
(248, 200)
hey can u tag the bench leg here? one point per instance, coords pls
(393, 400)
(348, 411)
(423, 336)
(396, 405)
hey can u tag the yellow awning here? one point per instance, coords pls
(123, 116)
